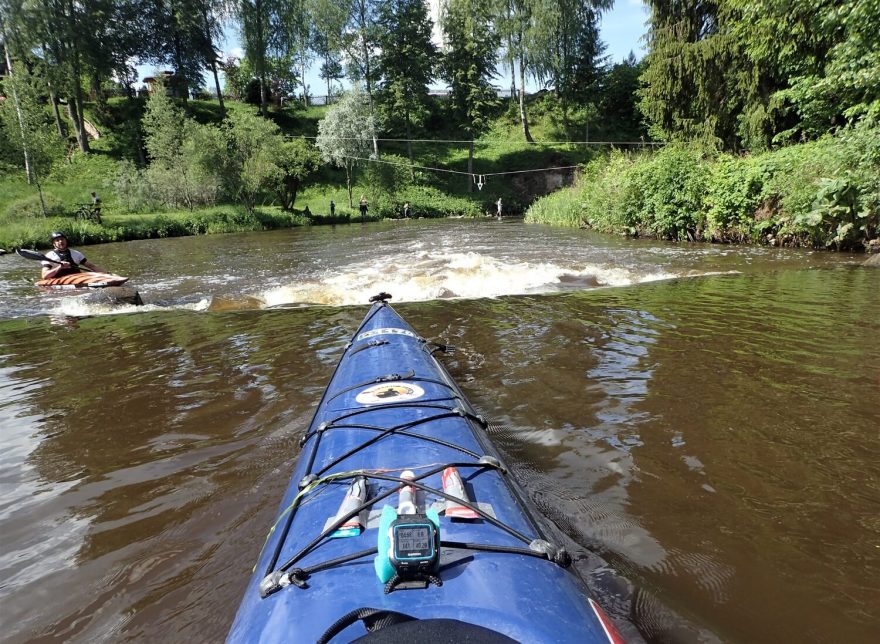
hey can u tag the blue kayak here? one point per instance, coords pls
(402, 523)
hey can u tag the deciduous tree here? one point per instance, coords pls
(345, 134)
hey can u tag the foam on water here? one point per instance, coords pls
(423, 275)
(77, 308)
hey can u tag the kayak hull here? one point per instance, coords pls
(390, 393)
(86, 280)
(96, 287)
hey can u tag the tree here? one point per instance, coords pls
(469, 65)
(405, 64)
(345, 134)
(179, 173)
(359, 40)
(331, 67)
(686, 81)
(212, 12)
(298, 30)
(513, 24)
(825, 72)
(252, 143)
(295, 160)
(617, 98)
(260, 22)
(25, 119)
(330, 18)
(564, 48)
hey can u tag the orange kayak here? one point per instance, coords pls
(84, 280)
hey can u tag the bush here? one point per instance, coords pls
(823, 193)
(390, 176)
(734, 196)
(667, 194)
(132, 188)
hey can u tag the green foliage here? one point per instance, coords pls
(391, 175)
(294, 162)
(821, 194)
(406, 64)
(733, 197)
(469, 64)
(345, 135)
(667, 194)
(250, 144)
(181, 170)
(27, 124)
(34, 233)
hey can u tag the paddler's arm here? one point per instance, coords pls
(51, 271)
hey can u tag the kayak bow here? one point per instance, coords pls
(401, 514)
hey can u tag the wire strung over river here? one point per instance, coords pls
(478, 178)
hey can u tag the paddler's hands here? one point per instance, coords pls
(52, 272)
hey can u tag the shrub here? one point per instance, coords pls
(733, 197)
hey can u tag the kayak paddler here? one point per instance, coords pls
(70, 259)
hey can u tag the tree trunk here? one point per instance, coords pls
(179, 71)
(213, 59)
(264, 95)
(59, 124)
(76, 104)
(53, 98)
(409, 153)
(217, 85)
(302, 65)
(471, 166)
(523, 118)
(369, 86)
(28, 170)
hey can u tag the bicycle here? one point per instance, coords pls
(88, 212)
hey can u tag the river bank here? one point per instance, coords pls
(820, 194)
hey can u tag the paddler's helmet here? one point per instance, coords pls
(57, 235)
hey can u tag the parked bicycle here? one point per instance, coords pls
(88, 212)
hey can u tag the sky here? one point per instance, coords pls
(621, 30)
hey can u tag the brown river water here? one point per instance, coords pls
(703, 422)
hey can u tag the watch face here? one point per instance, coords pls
(413, 541)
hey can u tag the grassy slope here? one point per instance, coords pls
(502, 149)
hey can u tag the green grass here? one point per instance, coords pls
(433, 193)
(34, 232)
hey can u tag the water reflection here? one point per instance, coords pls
(713, 439)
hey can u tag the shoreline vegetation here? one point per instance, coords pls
(823, 193)
(212, 173)
(735, 135)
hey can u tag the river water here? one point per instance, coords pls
(705, 420)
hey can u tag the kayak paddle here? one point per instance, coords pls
(32, 254)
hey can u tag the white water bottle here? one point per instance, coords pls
(407, 501)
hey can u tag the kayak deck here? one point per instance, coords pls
(84, 280)
(391, 407)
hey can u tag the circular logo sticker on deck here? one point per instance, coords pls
(389, 392)
(385, 331)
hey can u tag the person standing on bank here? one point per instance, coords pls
(332, 208)
(363, 206)
(70, 259)
(498, 203)
(407, 211)
(96, 206)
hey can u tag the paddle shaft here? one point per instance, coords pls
(39, 257)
